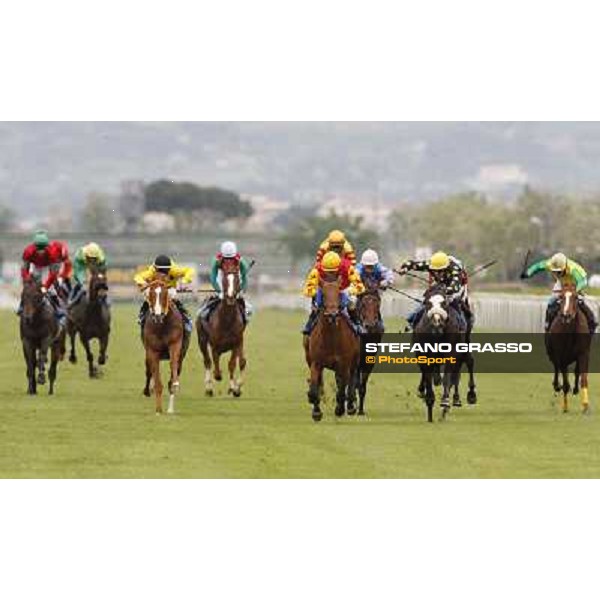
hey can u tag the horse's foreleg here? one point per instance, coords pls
(583, 368)
(429, 395)
(55, 354)
(566, 388)
(72, 335)
(341, 381)
(174, 355)
(234, 385)
(351, 395)
(216, 358)
(363, 380)
(30, 361)
(158, 386)
(148, 377)
(472, 395)
(42, 360)
(208, 381)
(92, 371)
(314, 391)
(102, 358)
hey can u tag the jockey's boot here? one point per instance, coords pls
(551, 313)
(19, 310)
(590, 316)
(310, 324)
(187, 320)
(209, 305)
(59, 311)
(355, 321)
(143, 314)
(75, 294)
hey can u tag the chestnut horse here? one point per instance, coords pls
(568, 341)
(40, 332)
(332, 345)
(164, 339)
(90, 318)
(224, 332)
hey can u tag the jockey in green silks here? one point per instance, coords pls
(565, 272)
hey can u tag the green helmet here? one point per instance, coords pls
(41, 239)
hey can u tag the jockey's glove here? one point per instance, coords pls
(44, 290)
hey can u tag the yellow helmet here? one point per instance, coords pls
(331, 262)
(337, 237)
(558, 263)
(92, 251)
(439, 261)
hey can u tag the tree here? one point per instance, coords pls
(195, 207)
(304, 235)
(98, 215)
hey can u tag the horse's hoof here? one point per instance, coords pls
(218, 377)
(209, 393)
(237, 393)
(317, 416)
(351, 410)
(102, 361)
(585, 409)
(457, 404)
(146, 393)
(340, 411)
(73, 360)
(361, 413)
(472, 398)
(41, 379)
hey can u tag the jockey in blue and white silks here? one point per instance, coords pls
(374, 275)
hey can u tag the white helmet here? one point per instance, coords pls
(369, 258)
(229, 249)
(558, 263)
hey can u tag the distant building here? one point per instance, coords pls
(375, 213)
(266, 211)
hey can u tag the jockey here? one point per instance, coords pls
(565, 272)
(228, 253)
(351, 287)
(176, 276)
(66, 266)
(87, 257)
(39, 256)
(336, 242)
(373, 274)
(450, 272)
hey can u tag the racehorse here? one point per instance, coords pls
(332, 345)
(164, 339)
(369, 312)
(40, 332)
(568, 341)
(440, 324)
(224, 332)
(90, 317)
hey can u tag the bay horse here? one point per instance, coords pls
(90, 318)
(332, 345)
(568, 341)
(224, 332)
(369, 312)
(40, 333)
(440, 324)
(164, 340)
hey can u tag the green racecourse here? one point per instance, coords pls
(107, 429)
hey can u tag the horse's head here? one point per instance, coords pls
(98, 285)
(369, 306)
(436, 306)
(568, 303)
(231, 281)
(32, 299)
(158, 299)
(330, 288)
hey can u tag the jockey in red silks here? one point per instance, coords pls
(42, 261)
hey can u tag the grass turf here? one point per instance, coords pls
(107, 429)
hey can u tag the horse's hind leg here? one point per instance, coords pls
(158, 385)
(363, 380)
(42, 360)
(429, 396)
(216, 358)
(351, 394)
